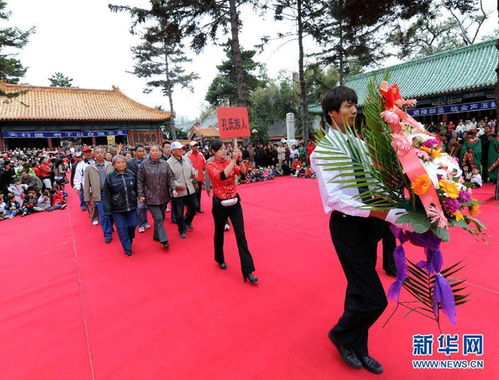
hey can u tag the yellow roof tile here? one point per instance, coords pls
(73, 104)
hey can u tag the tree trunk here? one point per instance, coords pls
(236, 50)
(171, 121)
(301, 74)
(340, 52)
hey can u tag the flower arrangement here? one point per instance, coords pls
(405, 166)
(444, 194)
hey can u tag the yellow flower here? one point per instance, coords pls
(458, 215)
(475, 209)
(449, 188)
(434, 152)
(421, 184)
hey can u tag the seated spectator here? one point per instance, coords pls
(57, 201)
(12, 207)
(3, 206)
(296, 163)
(476, 179)
(43, 203)
(29, 203)
(17, 189)
(31, 180)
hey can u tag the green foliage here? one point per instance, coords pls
(421, 286)
(448, 24)
(11, 69)
(318, 79)
(419, 221)
(223, 89)
(60, 80)
(270, 104)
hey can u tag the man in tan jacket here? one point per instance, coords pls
(185, 176)
(93, 185)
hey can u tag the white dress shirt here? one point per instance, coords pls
(334, 197)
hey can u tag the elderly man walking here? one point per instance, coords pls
(93, 188)
(199, 163)
(185, 176)
(155, 185)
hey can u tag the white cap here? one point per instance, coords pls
(192, 143)
(176, 145)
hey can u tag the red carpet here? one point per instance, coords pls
(72, 307)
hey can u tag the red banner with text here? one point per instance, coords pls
(233, 122)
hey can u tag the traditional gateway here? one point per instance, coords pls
(52, 116)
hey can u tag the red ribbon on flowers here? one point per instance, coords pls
(408, 158)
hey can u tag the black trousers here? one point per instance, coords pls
(355, 240)
(199, 190)
(388, 248)
(235, 213)
(179, 205)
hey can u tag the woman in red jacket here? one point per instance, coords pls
(227, 204)
(46, 174)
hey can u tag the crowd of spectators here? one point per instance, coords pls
(32, 181)
(474, 143)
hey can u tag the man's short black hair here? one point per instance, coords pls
(334, 97)
(139, 146)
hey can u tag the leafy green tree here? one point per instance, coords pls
(223, 90)
(319, 79)
(60, 80)
(159, 57)
(202, 21)
(448, 24)
(11, 69)
(270, 104)
(162, 64)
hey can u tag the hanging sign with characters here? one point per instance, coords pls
(233, 122)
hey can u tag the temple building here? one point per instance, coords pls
(54, 116)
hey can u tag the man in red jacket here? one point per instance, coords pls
(199, 163)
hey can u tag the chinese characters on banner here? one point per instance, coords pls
(233, 122)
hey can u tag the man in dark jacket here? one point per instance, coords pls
(155, 185)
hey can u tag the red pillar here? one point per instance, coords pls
(94, 141)
(49, 143)
(130, 138)
(2, 145)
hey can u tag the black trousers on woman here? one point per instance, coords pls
(235, 213)
(355, 240)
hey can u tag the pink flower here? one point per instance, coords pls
(410, 102)
(437, 215)
(390, 117)
(399, 142)
(423, 155)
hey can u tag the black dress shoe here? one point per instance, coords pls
(183, 235)
(249, 277)
(347, 354)
(189, 227)
(166, 244)
(107, 240)
(222, 266)
(200, 211)
(371, 365)
(128, 253)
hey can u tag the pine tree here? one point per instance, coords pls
(162, 63)
(60, 80)
(161, 54)
(223, 89)
(11, 69)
